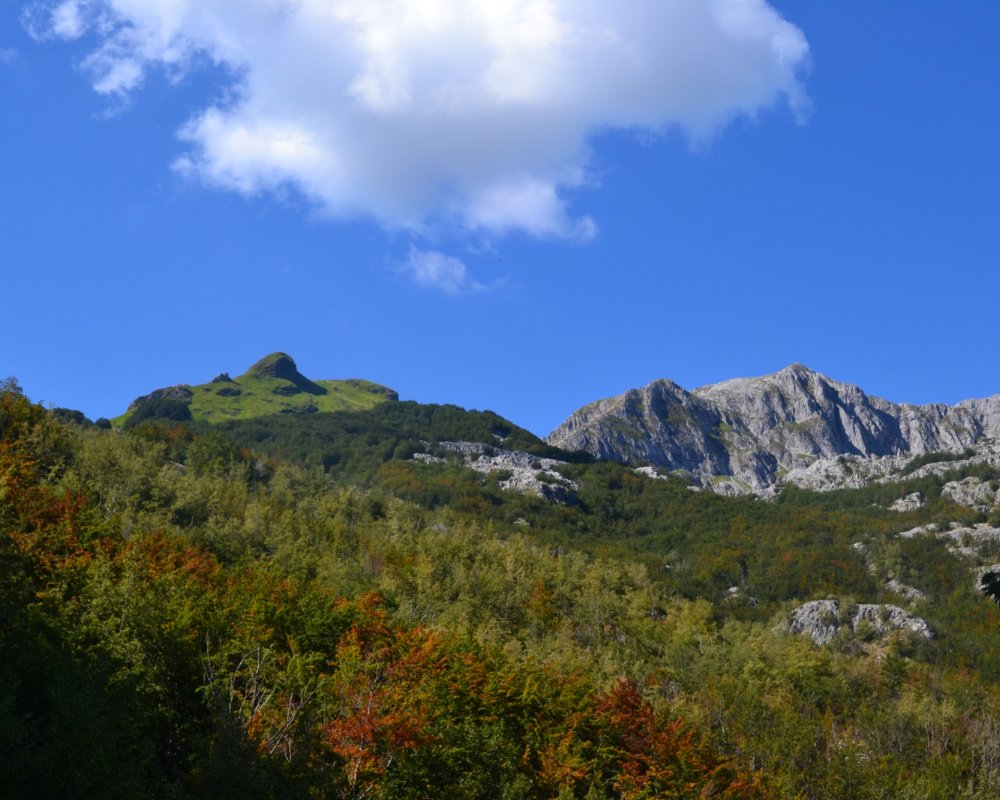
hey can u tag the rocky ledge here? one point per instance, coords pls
(852, 472)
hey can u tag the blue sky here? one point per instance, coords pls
(852, 228)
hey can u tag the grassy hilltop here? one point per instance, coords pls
(273, 385)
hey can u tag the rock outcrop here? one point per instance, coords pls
(515, 470)
(282, 367)
(973, 492)
(968, 542)
(746, 435)
(181, 392)
(276, 365)
(909, 503)
(819, 619)
(903, 590)
(822, 620)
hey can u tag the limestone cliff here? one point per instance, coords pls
(746, 434)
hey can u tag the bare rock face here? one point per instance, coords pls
(752, 432)
(905, 591)
(661, 424)
(881, 619)
(821, 620)
(517, 471)
(853, 471)
(180, 392)
(968, 542)
(973, 492)
(909, 503)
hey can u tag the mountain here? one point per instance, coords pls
(537, 628)
(273, 385)
(349, 428)
(748, 434)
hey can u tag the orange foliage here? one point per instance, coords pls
(664, 759)
(41, 522)
(383, 686)
(165, 556)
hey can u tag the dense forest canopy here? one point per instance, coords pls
(296, 608)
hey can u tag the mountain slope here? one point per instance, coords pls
(355, 442)
(747, 433)
(273, 385)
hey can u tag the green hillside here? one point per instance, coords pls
(271, 386)
(353, 444)
(291, 606)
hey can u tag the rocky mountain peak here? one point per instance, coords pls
(744, 434)
(795, 378)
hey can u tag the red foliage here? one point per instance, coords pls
(665, 758)
(383, 686)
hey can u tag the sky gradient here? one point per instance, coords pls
(852, 228)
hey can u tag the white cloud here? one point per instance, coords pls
(63, 19)
(438, 113)
(8, 55)
(439, 271)
(67, 19)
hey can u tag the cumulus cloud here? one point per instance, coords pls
(436, 270)
(424, 114)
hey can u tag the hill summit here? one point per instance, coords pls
(746, 434)
(276, 365)
(272, 385)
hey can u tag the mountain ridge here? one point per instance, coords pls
(745, 434)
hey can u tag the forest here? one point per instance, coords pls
(295, 608)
